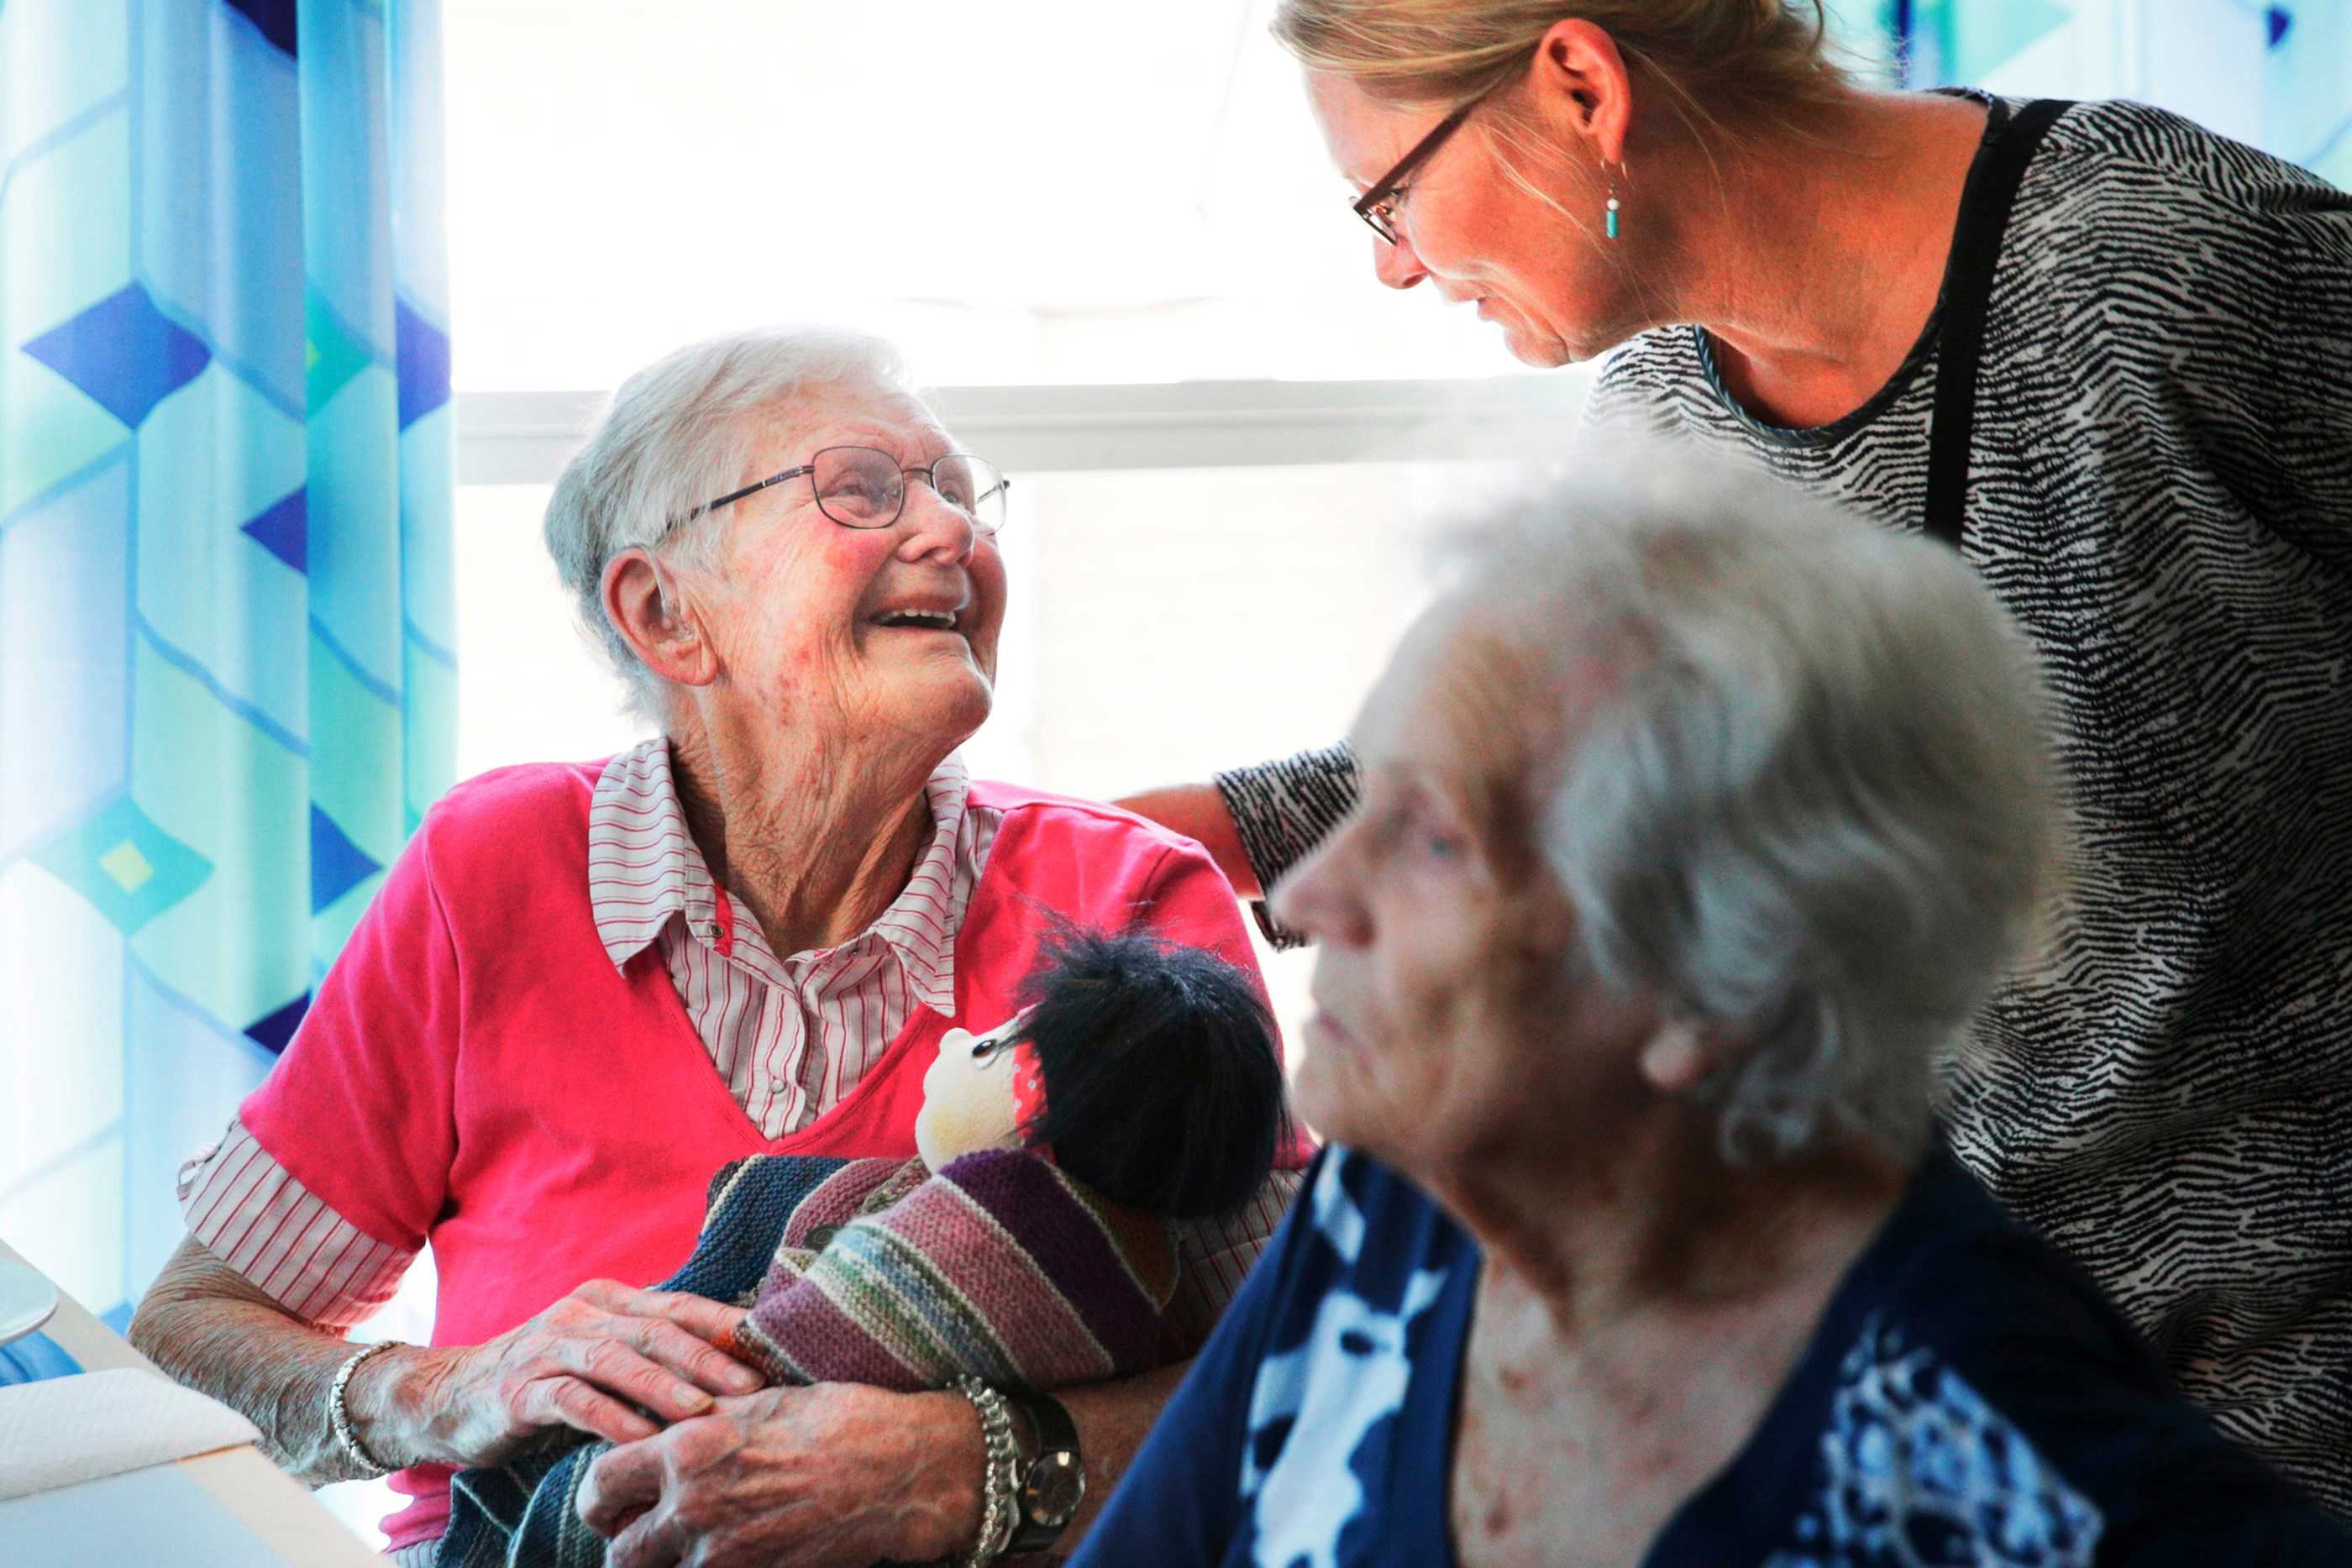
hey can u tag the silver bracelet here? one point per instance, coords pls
(339, 1415)
(999, 1472)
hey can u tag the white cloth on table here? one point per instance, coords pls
(64, 1430)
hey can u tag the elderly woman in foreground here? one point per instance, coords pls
(1697, 823)
(585, 989)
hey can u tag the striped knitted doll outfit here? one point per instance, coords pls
(879, 1271)
(1002, 1266)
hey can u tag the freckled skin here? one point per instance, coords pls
(790, 609)
(802, 750)
(1580, 1457)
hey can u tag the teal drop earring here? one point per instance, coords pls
(1612, 206)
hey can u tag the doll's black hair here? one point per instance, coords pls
(1164, 1088)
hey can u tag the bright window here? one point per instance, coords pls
(1057, 191)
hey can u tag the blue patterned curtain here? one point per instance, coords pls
(226, 680)
(2308, 110)
(2278, 76)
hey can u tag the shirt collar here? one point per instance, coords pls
(644, 868)
(643, 865)
(919, 925)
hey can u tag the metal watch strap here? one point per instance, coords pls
(999, 1472)
(1054, 1480)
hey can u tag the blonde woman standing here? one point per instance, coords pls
(2102, 352)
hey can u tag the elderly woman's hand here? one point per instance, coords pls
(603, 1360)
(837, 1474)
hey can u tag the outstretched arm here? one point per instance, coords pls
(1199, 813)
(1257, 822)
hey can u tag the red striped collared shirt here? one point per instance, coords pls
(789, 1036)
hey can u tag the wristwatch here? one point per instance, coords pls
(1052, 1483)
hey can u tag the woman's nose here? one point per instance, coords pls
(1315, 897)
(934, 528)
(1396, 265)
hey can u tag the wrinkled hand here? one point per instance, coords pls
(834, 1476)
(607, 1359)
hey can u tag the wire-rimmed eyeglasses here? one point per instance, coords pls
(866, 487)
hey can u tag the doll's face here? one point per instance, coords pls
(968, 1099)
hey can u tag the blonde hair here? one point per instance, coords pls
(1724, 63)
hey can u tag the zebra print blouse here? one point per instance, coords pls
(2160, 491)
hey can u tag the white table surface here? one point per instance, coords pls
(263, 1498)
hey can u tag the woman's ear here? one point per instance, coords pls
(643, 602)
(1577, 67)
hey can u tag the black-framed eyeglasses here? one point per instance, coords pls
(866, 487)
(1376, 206)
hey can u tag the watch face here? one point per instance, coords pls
(1056, 1488)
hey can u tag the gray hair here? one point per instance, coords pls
(677, 434)
(1814, 809)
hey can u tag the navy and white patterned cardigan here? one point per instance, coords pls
(1968, 1398)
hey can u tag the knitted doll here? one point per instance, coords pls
(1032, 1242)
(1139, 1087)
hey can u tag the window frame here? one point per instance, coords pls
(525, 437)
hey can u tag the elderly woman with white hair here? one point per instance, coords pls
(584, 988)
(1697, 823)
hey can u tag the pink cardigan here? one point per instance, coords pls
(476, 1074)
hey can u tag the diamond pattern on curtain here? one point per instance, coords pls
(227, 677)
(2285, 69)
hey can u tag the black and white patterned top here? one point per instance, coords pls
(2160, 491)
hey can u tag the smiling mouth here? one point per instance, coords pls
(920, 620)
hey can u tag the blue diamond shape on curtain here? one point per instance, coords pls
(2278, 19)
(124, 353)
(337, 864)
(422, 351)
(273, 1033)
(274, 19)
(284, 529)
(122, 862)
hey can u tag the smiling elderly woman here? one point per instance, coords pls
(585, 989)
(1696, 823)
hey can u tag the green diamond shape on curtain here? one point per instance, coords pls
(1981, 36)
(123, 864)
(333, 355)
